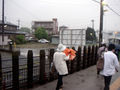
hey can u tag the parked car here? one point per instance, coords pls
(43, 41)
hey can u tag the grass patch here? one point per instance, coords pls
(36, 45)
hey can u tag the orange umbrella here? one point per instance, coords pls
(67, 51)
(70, 52)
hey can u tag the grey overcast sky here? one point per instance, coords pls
(72, 13)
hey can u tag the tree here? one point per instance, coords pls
(20, 39)
(41, 33)
(25, 29)
(90, 35)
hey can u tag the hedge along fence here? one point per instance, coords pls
(38, 72)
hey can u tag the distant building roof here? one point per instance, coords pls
(43, 21)
(12, 32)
(63, 26)
(54, 19)
(8, 23)
(55, 35)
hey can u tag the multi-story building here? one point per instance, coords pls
(51, 27)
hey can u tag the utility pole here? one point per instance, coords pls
(3, 23)
(101, 23)
(92, 23)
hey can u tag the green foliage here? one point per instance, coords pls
(90, 35)
(25, 29)
(20, 39)
(41, 33)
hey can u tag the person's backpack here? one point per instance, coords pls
(100, 62)
(52, 68)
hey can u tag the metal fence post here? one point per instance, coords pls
(93, 57)
(42, 67)
(0, 72)
(30, 69)
(78, 57)
(50, 61)
(96, 49)
(15, 69)
(84, 58)
(72, 69)
(88, 57)
(74, 62)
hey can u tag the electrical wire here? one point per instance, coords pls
(108, 7)
(96, 1)
(113, 10)
(116, 4)
(23, 9)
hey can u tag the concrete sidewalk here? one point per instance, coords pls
(83, 80)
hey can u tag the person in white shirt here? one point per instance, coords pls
(111, 65)
(59, 60)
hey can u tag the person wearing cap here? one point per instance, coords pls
(59, 60)
(111, 65)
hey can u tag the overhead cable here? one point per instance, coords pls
(108, 7)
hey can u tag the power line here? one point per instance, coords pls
(96, 1)
(108, 7)
(28, 12)
(116, 4)
(113, 10)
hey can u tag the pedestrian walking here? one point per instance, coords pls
(100, 54)
(101, 49)
(59, 61)
(111, 65)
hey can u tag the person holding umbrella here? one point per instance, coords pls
(59, 60)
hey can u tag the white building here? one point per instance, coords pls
(73, 37)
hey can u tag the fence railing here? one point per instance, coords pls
(36, 70)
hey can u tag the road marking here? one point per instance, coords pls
(115, 85)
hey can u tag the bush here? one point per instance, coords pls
(20, 39)
(41, 33)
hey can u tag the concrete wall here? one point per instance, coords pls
(5, 40)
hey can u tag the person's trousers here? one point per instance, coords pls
(107, 80)
(60, 82)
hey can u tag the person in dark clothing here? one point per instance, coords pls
(100, 51)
